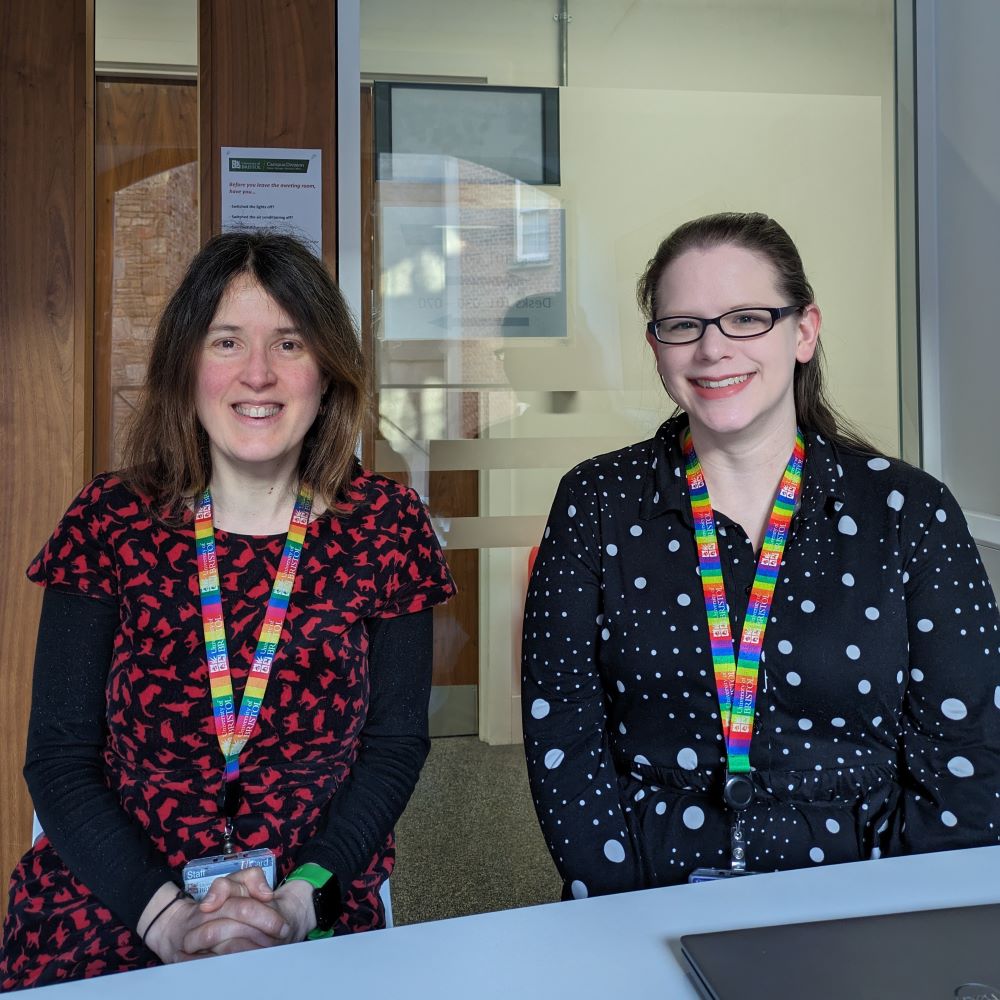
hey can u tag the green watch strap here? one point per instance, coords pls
(327, 898)
(310, 872)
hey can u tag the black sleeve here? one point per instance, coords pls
(571, 770)
(394, 744)
(81, 816)
(950, 726)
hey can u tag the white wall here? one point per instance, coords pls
(777, 46)
(157, 32)
(958, 162)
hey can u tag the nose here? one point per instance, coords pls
(713, 343)
(258, 372)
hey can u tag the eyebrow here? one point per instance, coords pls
(233, 328)
(746, 305)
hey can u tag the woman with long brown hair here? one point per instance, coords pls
(230, 695)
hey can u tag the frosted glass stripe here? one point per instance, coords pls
(490, 532)
(505, 453)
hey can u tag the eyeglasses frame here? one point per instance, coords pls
(777, 313)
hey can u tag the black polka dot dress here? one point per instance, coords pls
(877, 727)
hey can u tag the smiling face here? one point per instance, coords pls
(258, 387)
(731, 389)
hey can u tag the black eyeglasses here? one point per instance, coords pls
(739, 324)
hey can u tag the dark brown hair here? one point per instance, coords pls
(165, 451)
(764, 237)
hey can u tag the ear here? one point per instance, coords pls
(807, 333)
(651, 340)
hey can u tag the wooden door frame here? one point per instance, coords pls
(46, 328)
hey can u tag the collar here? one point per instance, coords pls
(665, 488)
(823, 478)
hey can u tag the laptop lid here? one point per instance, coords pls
(951, 954)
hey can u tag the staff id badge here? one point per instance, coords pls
(200, 874)
(714, 874)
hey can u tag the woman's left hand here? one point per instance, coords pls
(294, 901)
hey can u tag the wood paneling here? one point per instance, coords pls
(46, 204)
(268, 77)
(142, 129)
(456, 624)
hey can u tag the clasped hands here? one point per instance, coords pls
(239, 913)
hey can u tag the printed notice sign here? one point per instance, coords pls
(278, 189)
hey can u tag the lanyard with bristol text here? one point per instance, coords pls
(233, 731)
(736, 679)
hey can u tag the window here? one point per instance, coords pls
(532, 220)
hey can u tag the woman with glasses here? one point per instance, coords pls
(752, 643)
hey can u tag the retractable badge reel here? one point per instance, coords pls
(737, 793)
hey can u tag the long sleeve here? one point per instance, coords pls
(394, 744)
(951, 719)
(81, 816)
(570, 768)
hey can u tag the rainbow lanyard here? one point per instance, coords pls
(232, 731)
(736, 681)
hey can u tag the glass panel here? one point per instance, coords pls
(906, 257)
(966, 210)
(146, 190)
(508, 343)
(146, 229)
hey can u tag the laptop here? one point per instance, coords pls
(951, 954)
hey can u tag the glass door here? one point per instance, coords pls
(507, 342)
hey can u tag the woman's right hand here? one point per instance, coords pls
(238, 914)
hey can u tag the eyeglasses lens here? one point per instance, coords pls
(738, 323)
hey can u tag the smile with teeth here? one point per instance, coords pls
(707, 383)
(247, 410)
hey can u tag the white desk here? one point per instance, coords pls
(614, 946)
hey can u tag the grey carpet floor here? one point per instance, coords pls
(468, 841)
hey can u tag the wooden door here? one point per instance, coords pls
(46, 118)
